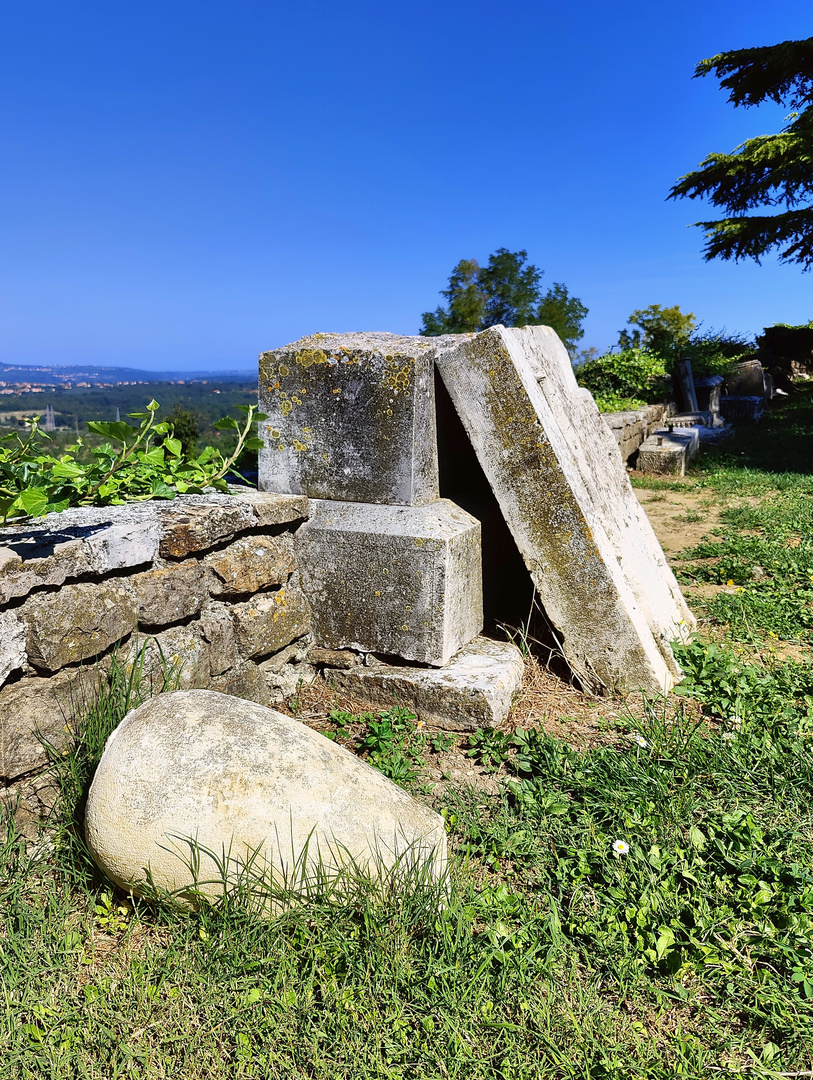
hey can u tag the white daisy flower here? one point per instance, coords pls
(621, 847)
(728, 736)
(641, 741)
(735, 721)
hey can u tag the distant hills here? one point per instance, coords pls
(76, 374)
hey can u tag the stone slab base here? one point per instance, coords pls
(669, 452)
(474, 690)
(742, 410)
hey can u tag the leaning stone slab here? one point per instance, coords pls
(399, 580)
(199, 771)
(350, 416)
(474, 690)
(555, 469)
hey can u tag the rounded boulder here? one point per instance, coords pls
(196, 788)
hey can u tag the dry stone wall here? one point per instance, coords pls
(205, 588)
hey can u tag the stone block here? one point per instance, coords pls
(169, 594)
(251, 564)
(35, 708)
(474, 690)
(248, 785)
(350, 417)
(708, 391)
(556, 472)
(12, 644)
(669, 452)
(742, 410)
(332, 658)
(245, 681)
(175, 658)
(287, 681)
(269, 622)
(397, 580)
(217, 628)
(745, 379)
(702, 418)
(76, 623)
(271, 508)
(198, 528)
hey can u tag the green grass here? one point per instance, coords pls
(547, 953)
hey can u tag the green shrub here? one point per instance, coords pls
(715, 352)
(139, 463)
(624, 380)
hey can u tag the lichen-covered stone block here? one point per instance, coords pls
(76, 623)
(669, 452)
(351, 417)
(555, 470)
(169, 594)
(251, 564)
(270, 621)
(397, 580)
(12, 644)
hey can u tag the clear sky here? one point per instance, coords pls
(185, 184)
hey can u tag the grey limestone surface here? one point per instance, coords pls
(397, 580)
(554, 467)
(207, 771)
(474, 690)
(350, 416)
(669, 452)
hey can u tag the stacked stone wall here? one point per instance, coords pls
(203, 590)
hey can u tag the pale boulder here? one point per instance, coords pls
(199, 770)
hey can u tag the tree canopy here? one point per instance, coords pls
(505, 291)
(765, 171)
(658, 329)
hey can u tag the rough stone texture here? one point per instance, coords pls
(218, 630)
(178, 657)
(669, 452)
(555, 469)
(12, 644)
(270, 621)
(474, 690)
(691, 419)
(245, 680)
(398, 580)
(333, 658)
(286, 681)
(270, 507)
(742, 410)
(59, 547)
(352, 417)
(78, 622)
(201, 527)
(41, 706)
(683, 383)
(169, 594)
(631, 427)
(97, 540)
(206, 769)
(250, 565)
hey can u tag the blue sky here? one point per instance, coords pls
(186, 184)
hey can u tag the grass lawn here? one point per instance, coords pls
(636, 904)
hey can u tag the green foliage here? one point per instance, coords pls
(505, 291)
(656, 329)
(185, 428)
(624, 380)
(766, 171)
(783, 345)
(391, 740)
(715, 351)
(138, 463)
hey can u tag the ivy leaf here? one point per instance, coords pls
(118, 429)
(226, 423)
(153, 457)
(174, 446)
(34, 501)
